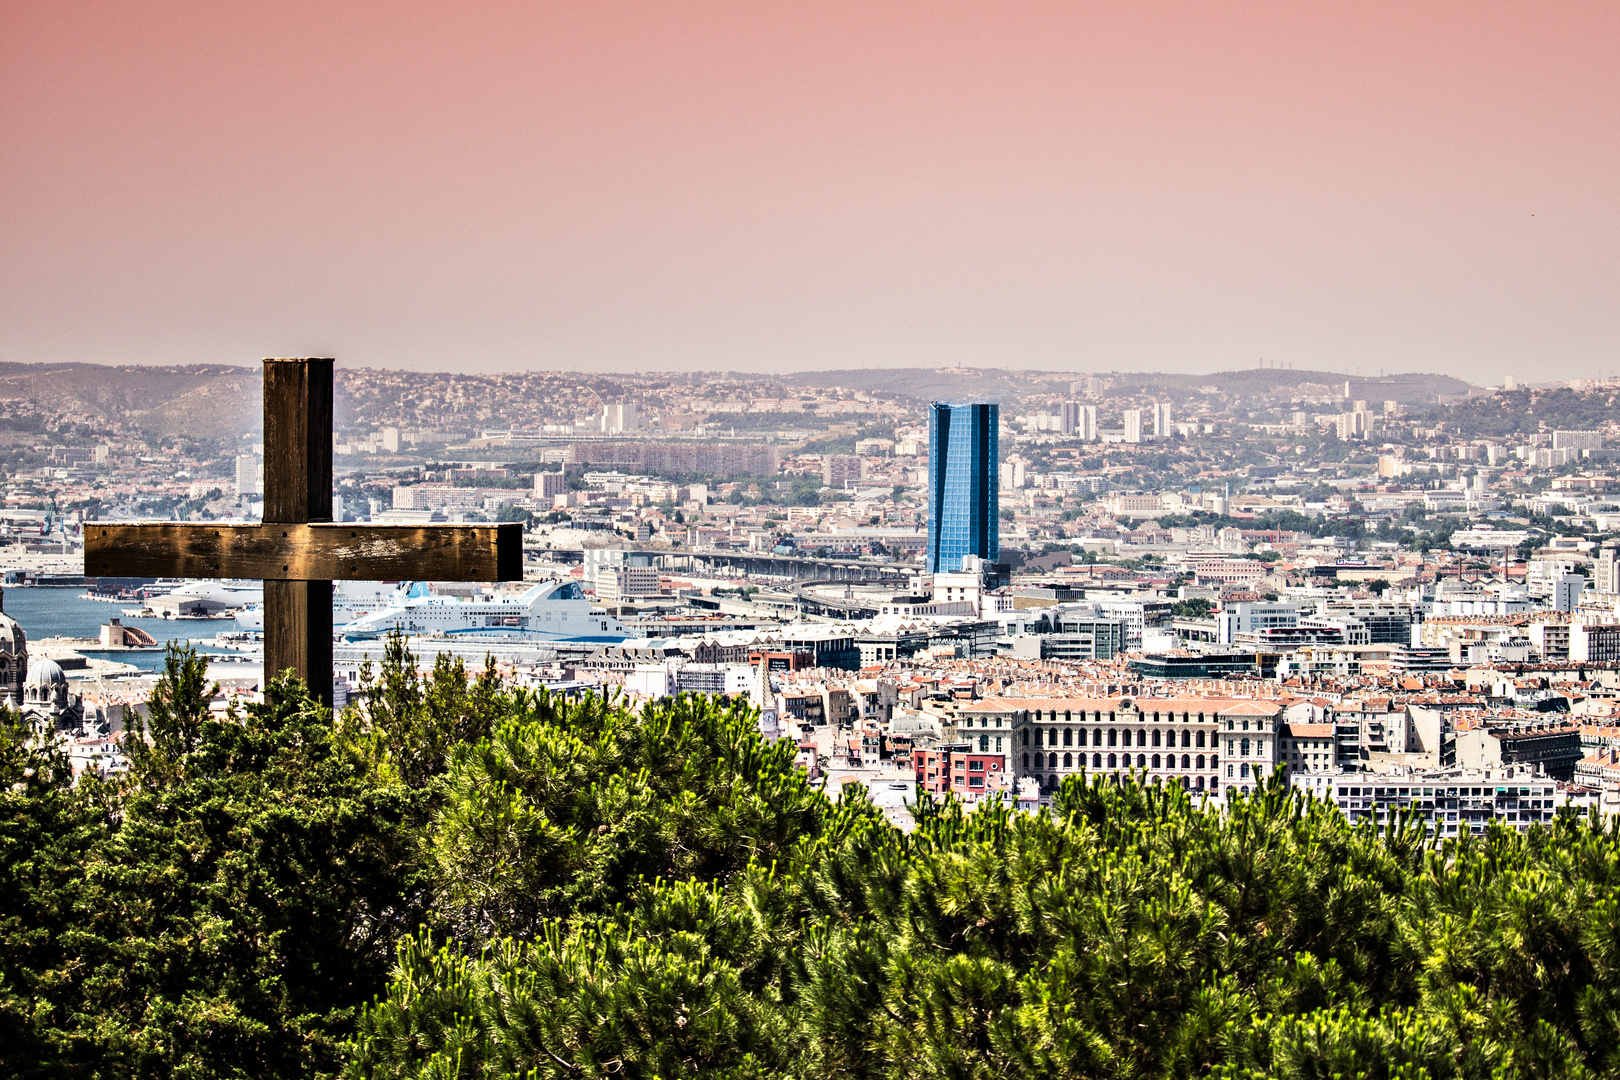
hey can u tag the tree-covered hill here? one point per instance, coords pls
(1527, 412)
(469, 880)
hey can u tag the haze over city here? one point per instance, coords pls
(609, 187)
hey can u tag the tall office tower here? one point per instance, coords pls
(964, 506)
(1133, 425)
(1086, 428)
(1163, 426)
(1069, 417)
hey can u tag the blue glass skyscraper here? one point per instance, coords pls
(964, 507)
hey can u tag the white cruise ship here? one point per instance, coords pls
(549, 611)
(350, 601)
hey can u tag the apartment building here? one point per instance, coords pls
(1170, 740)
(1451, 802)
(961, 769)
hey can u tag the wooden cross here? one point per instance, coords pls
(298, 552)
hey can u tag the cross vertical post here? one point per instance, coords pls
(298, 490)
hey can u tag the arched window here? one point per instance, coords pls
(1200, 760)
(1026, 762)
(1186, 738)
(1214, 782)
(1068, 761)
(1200, 740)
(1141, 761)
(1155, 761)
(1243, 771)
(1026, 743)
(1156, 736)
(1051, 761)
(1186, 761)
(1113, 736)
(1141, 737)
(1096, 737)
(1068, 736)
(1111, 762)
(1199, 783)
(984, 743)
(1096, 761)
(1243, 749)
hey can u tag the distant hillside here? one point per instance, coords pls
(994, 384)
(924, 384)
(205, 401)
(1409, 388)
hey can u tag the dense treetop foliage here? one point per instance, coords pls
(466, 879)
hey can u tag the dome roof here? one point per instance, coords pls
(12, 638)
(44, 672)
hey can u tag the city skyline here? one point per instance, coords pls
(1127, 187)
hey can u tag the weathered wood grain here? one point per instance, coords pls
(298, 633)
(298, 439)
(297, 489)
(318, 551)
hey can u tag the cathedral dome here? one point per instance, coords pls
(12, 638)
(45, 674)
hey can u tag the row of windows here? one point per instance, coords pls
(1123, 761)
(1118, 738)
(1188, 783)
(1430, 793)
(1070, 717)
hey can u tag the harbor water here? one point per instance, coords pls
(45, 612)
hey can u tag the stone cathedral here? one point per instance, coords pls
(38, 690)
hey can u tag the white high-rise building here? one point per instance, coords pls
(1086, 428)
(1069, 417)
(1567, 592)
(1163, 426)
(247, 474)
(619, 417)
(1011, 473)
(1606, 568)
(1133, 425)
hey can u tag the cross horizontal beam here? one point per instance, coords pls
(318, 551)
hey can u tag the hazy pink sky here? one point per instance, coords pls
(1188, 186)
